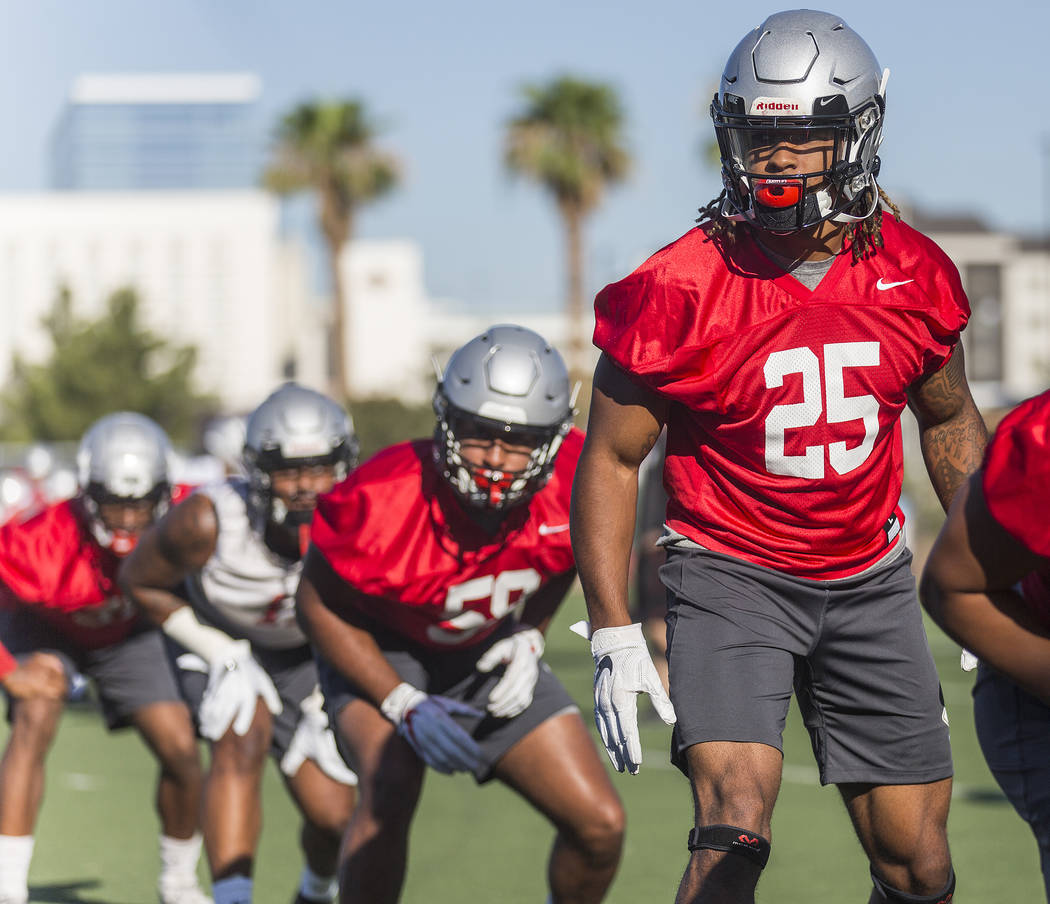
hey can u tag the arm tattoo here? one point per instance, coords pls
(952, 432)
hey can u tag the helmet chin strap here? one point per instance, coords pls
(843, 217)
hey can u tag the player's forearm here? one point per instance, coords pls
(605, 494)
(998, 628)
(953, 450)
(350, 650)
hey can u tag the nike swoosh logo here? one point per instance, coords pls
(552, 529)
(883, 286)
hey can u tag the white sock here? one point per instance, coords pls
(178, 859)
(317, 888)
(232, 890)
(15, 853)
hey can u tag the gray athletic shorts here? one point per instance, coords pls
(293, 673)
(127, 675)
(740, 637)
(452, 673)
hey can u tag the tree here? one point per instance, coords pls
(381, 422)
(99, 366)
(568, 138)
(326, 147)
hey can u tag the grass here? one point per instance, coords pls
(96, 839)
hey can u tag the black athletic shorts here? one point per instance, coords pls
(740, 637)
(452, 673)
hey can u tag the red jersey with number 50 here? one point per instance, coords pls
(1016, 482)
(394, 530)
(784, 442)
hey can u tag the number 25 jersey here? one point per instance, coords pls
(784, 439)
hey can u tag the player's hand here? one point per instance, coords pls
(39, 677)
(520, 653)
(313, 740)
(426, 722)
(623, 669)
(235, 684)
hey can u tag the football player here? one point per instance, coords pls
(433, 575)
(780, 342)
(62, 617)
(987, 584)
(238, 547)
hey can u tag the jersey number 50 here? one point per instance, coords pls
(461, 624)
(841, 408)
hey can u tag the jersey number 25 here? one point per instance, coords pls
(838, 356)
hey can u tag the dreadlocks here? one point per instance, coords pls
(863, 237)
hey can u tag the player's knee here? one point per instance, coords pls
(601, 832)
(335, 811)
(744, 843)
(918, 892)
(182, 762)
(242, 753)
(391, 794)
(35, 721)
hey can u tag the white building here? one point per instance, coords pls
(1007, 280)
(209, 268)
(395, 332)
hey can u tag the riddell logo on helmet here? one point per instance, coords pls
(775, 105)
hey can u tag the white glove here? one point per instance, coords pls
(520, 653)
(313, 740)
(623, 669)
(426, 722)
(235, 683)
(967, 661)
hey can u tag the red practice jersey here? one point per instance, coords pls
(52, 564)
(784, 439)
(395, 531)
(1016, 481)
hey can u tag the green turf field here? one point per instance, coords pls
(97, 834)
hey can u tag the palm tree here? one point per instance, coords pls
(568, 138)
(327, 147)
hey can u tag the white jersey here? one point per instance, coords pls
(245, 588)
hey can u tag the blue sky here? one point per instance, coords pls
(967, 123)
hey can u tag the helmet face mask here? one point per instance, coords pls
(123, 466)
(804, 80)
(294, 429)
(507, 386)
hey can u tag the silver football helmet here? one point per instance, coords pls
(294, 427)
(508, 381)
(123, 458)
(800, 76)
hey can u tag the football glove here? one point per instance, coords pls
(520, 653)
(313, 740)
(235, 683)
(426, 722)
(623, 669)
